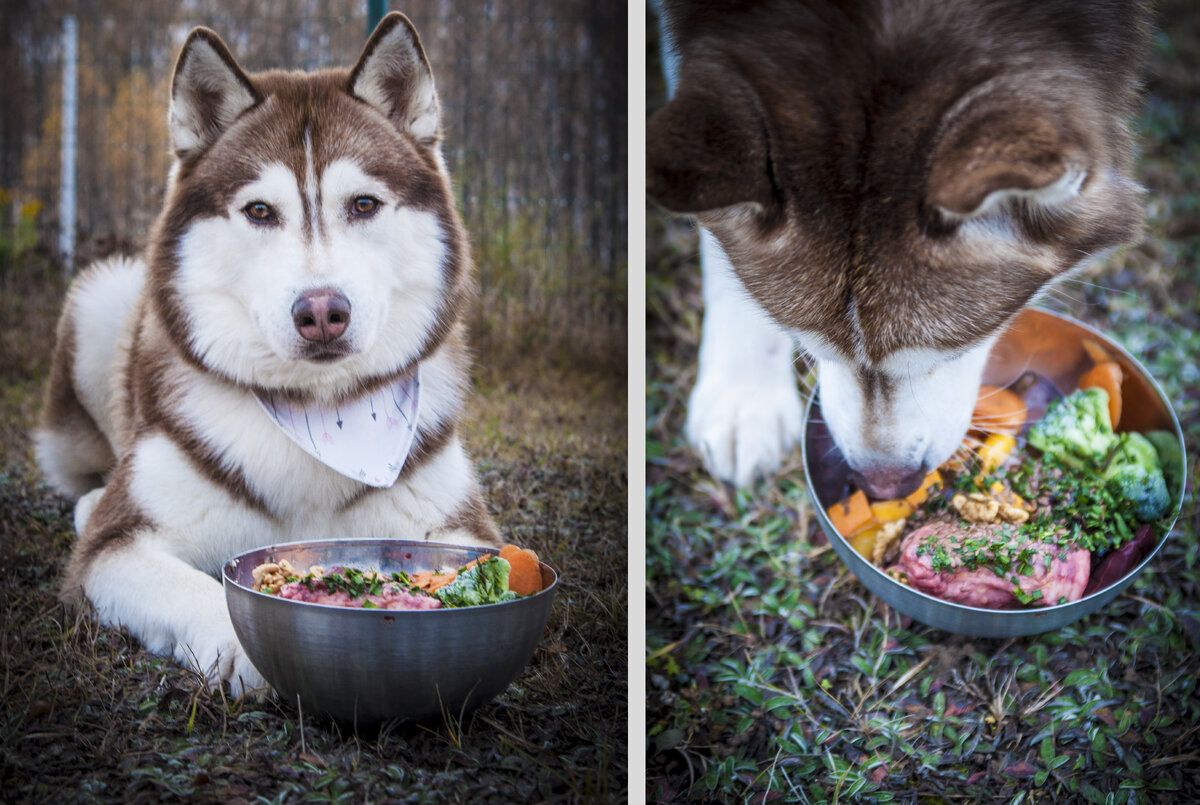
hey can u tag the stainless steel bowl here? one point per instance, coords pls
(1052, 346)
(366, 666)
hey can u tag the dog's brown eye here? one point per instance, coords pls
(364, 206)
(259, 212)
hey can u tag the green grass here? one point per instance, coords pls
(773, 675)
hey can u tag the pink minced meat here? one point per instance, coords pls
(1063, 578)
(392, 597)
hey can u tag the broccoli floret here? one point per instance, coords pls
(1076, 429)
(1170, 457)
(1135, 474)
(485, 583)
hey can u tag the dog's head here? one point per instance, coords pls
(309, 241)
(894, 181)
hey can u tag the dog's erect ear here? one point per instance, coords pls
(208, 92)
(393, 75)
(707, 148)
(1005, 154)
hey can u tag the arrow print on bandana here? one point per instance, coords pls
(308, 427)
(366, 453)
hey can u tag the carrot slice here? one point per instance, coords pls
(1108, 376)
(998, 410)
(922, 494)
(1097, 353)
(432, 581)
(852, 514)
(525, 576)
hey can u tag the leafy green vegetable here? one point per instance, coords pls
(1099, 483)
(485, 583)
(1076, 429)
(1170, 457)
(1134, 473)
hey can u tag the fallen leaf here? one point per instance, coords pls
(313, 759)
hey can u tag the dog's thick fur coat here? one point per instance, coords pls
(890, 182)
(286, 187)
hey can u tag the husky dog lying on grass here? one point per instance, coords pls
(288, 361)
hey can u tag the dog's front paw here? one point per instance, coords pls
(743, 430)
(84, 508)
(214, 651)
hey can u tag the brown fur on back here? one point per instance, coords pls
(832, 148)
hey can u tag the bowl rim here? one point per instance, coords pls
(231, 563)
(1120, 584)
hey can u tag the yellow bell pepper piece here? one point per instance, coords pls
(922, 494)
(864, 541)
(887, 510)
(996, 448)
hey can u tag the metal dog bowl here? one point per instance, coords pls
(1052, 346)
(366, 666)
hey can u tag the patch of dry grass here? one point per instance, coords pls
(90, 716)
(30, 297)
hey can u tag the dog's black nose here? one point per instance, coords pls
(889, 483)
(321, 315)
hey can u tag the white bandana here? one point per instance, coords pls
(366, 439)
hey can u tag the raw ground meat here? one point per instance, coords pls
(392, 597)
(1065, 578)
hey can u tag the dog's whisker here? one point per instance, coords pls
(1098, 286)
(1061, 293)
(832, 451)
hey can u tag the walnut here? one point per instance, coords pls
(889, 532)
(269, 577)
(980, 508)
(1012, 514)
(976, 507)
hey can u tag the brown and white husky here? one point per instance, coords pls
(288, 362)
(884, 184)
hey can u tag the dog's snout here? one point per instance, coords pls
(321, 315)
(889, 482)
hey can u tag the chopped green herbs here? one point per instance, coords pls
(357, 583)
(485, 582)
(1023, 597)
(1077, 507)
(1084, 510)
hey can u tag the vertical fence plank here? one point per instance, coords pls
(66, 197)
